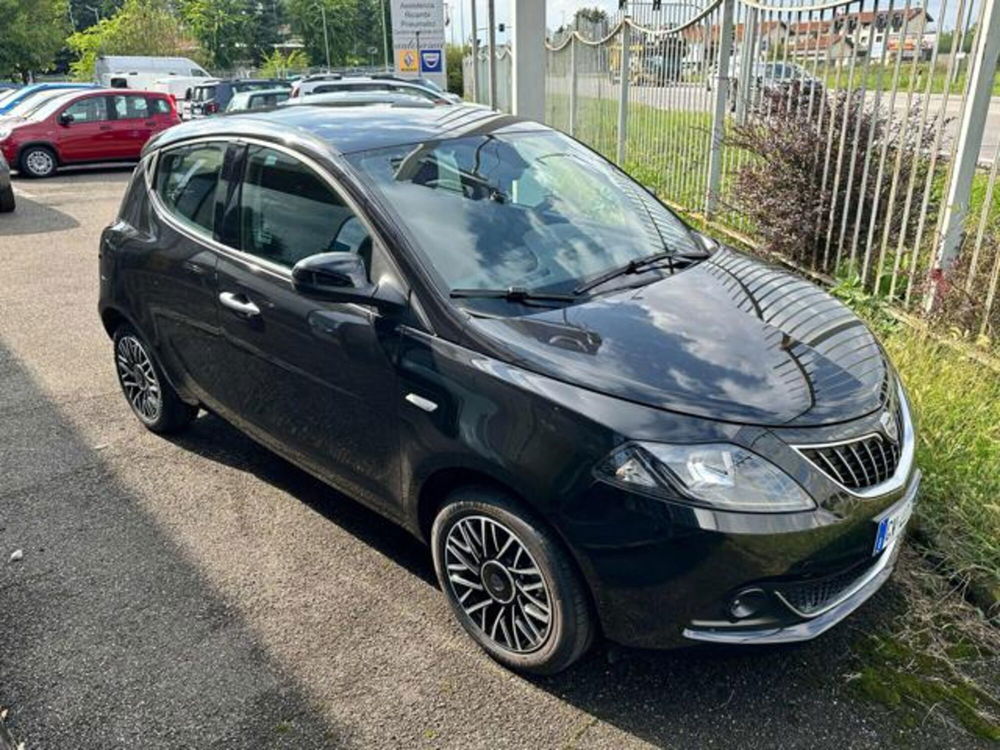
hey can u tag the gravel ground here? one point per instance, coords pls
(201, 592)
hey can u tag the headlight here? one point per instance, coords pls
(720, 475)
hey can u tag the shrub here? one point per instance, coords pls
(788, 184)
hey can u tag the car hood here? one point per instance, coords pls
(731, 339)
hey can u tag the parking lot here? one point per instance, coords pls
(201, 592)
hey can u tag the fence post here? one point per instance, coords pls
(725, 49)
(979, 91)
(475, 57)
(528, 59)
(572, 84)
(624, 63)
(491, 36)
(748, 44)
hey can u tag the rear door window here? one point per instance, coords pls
(186, 181)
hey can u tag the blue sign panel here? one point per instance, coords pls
(431, 61)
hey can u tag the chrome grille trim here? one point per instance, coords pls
(891, 463)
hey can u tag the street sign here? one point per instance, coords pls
(418, 39)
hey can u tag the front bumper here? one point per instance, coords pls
(670, 579)
(856, 593)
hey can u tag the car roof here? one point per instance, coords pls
(349, 129)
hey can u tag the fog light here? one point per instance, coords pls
(748, 603)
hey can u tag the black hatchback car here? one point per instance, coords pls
(602, 422)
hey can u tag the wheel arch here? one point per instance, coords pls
(43, 143)
(439, 484)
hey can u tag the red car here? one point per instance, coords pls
(95, 125)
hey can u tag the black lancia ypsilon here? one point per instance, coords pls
(603, 423)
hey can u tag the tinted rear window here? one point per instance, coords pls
(186, 179)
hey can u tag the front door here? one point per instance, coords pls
(314, 379)
(89, 135)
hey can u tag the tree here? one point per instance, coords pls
(31, 34)
(278, 65)
(456, 73)
(141, 27)
(231, 31)
(353, 28)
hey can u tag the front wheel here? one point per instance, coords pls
(38, 161)
(510, 583)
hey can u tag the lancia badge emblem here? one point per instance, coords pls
(889, 426)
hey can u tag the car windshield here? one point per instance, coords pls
(531, 210)
(203, 93)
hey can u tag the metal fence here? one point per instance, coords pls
(856, 138)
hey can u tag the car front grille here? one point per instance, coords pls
(857, 464)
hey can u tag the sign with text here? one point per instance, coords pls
(418, 39)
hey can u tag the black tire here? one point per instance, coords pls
(38, 162)
(568, 632)
(149, 394)
(7, 202)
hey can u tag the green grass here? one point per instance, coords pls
(957, 402)
(934, 660)
(876, 75)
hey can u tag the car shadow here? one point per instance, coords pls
(212, 437)
(784, 695)
(31, 216)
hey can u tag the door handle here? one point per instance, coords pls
(239, 303)
(150, 123)
(105, 127)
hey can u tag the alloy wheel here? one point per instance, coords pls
(138, 378)
(497, 583)
(40, 162)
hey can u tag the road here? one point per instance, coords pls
(201, 592)
(697, 98)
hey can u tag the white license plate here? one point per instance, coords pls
(892, 525)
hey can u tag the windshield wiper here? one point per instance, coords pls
(633, 266)
(512, 294)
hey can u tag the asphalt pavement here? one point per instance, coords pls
(201, 592)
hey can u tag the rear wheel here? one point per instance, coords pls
(38, 161)
(510, 583)
(152, 398)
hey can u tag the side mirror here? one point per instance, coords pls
(341, 277)
(187, 95)
(65, 118)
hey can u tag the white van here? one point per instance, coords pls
(136, 72)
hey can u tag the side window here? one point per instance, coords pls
(289, 213)
(158, 106)
(130, 107)
(186, 179)
(91, 109)
(413, 91)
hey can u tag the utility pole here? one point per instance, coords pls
(385, 38)
(326, 37)
(492, 62)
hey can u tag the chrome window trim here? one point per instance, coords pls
(254, 262)
(907, 449)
